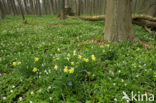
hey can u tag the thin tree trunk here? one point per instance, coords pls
(22, 12)
(38, 7)
(32, 7)
(62, 15)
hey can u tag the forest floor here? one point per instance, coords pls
(52, 61)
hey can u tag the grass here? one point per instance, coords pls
(118, 67)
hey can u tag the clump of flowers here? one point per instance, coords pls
(16, 63)
(86, 60)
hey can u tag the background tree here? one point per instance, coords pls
(22, 12)
(118, 25)
(2, 13)
(62, 14)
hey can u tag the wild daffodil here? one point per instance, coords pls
(55, 67)
(36, 59)
(18, 63)
(72, 63)
(58, 49)
(66, 69)
(14, 64)
(74, 52)
(67, 58)
(93, 57)
(35, 69)
(79, 57)
(57, 58)
(86, 60)
(71, 70)
(68, 55)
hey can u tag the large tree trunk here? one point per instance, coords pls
(118, 25)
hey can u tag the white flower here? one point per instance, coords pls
(13, 86)
(32, 93)
(11, 91)
(4, 98)
(49, 87)
(115, 99)
(125, 84)
(114, 84)
(50, 98)
(30, 102)
(20, 98)
(111, 72)
(119, 71)
(137, 76)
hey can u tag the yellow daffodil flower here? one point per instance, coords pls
(55, 67)
(18, 63)
(14, 63)
(57, 58)
(58, 49)
(86, 60)
(66, 69)
(36, 59)
(35, 69)
(67, 58)
(93, 57)
(79, 57)
(71, 70)
(72, 63)
(107, 45)
(68, 55)
(74, 52)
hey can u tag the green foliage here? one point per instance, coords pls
(56, 43)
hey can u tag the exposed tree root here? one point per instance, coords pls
(147, 29)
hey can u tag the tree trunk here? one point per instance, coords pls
(62, 14)
(38, 7)
(2, 14)
(152, 8)
(118, 25)
(22, 12)
(32, 7)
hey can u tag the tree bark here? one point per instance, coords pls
(62, 14)
(22, 12)
(2, 13)
(118, 25)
